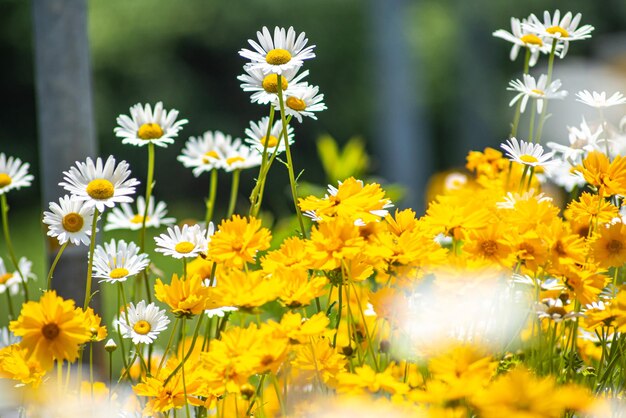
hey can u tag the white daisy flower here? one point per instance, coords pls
(116, 262)
(526, 153)
(7, 338)
(10, 281)
(599, 100)
(303, 102)
(241, 158)
(553, 309)
(256, 136)
(100, 185)
(13, 174)
(220, 312)
(560, 173)
(563, 29)
(511, 199)
(187, 242)
(581, 140)
(206, 153)
(278, 54)
(125, 217)
(521, 38)
(264, 87)
(69, 220)
(536, 89)
(144, 322)
(145, 126)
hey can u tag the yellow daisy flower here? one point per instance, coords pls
(15, 364)
(591, 209)
(299, 330)
(51, 329)
(238, 240)
(185, 297)
(245, 290)
(295, 288)
(334, 241)
(609, 247)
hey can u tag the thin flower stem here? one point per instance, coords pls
(193, 343)
(530, 177)
(256, 394)
(122, 348)
(183, 369)
(264, 176)
(54, 264)
(92, 246)
(233, 194)
(10, 304)
(518, 108)
(340, 297)
(210, 203)
(257, 193)
(7, 238)
(292, 179)
(531, 126)
(142, 231)
(110, 374)
(168, 346)
(544, 111)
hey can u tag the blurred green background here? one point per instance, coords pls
(185, 53)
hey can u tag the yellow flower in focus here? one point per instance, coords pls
(609, 247)
(184, 297)
(238, 240)
(454, 216)
(93, 322)
(299, 330)
(245, 290)
(291, 255)
(334, 241)
(566, 248)
(295, 287)
(590, 209)
(171, 395)
(609, 177)
(490, 243)
(15, 364)
(51, 329)
(351, 200)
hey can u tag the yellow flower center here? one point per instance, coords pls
(558, 310)
(137, 219)
(528, 158)
(50, 331)
(270, 83)
(553, 30)
(210, 154)
(184, 247)
(5, 179)
(278, 56)
(489, 247)
(72, 222)
(5, 277)
(296, 104)
(531, 39)
(537, 91)
(100, 189)
(232, 160)
(142, 327)
(118, 273)
(150, 131)
(614, 246)
(271, 143)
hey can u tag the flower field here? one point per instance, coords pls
(498, 301)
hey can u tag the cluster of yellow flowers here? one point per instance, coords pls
(492, 304)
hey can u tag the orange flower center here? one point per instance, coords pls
(100, 189)
(614, 246)
(296, 104)
(553, 30)
(270, 83)
(271, 143)
(5, 277)
(150, 131)
(50, 331)
(72, 222)
(278, 56)
(489, 247)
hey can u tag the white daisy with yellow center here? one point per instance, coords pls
(117, 261)
(69, 220)
(527, 153)
(99, 184)
(264, 87)
(208, 152)
(125, 217)
(303, 102)
(521, 38)
(13, 174)
(282, 52)
(563, 29)
(241, 157)
(11, 280)
(535, 89)
(146, 125)
(188, 242)
(142, 323)
(599, 100)
(257, 138)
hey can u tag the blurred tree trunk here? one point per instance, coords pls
(403, 144)
(65, 117)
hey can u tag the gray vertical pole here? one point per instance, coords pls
(402, 143)
(65, 116)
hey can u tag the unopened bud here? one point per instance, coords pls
(110, 345)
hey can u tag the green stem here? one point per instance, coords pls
(193, 343)
(54, 264)
(183, 368)
(542, 119)
(531, 126)
(7, 237)
(292, 178)
(10, 304)
(338, 315)
(518, 108)
(256, 395)
(210, 203)
(92, 246)
(233, 193)
(142, 232)
(257, 192)
(169, 344)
